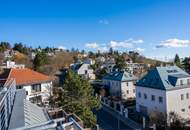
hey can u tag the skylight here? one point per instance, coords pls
(172, 71)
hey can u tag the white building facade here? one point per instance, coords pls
(165, 90)
(40, 91)
(84, 70)
(120, 84)
(37, 85)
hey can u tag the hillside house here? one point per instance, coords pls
(120, 84)
(38, 86)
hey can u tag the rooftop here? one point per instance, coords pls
(25, 76)
(120, 76)
(25, 113)
(164, 78)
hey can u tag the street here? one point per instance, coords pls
(108, 122)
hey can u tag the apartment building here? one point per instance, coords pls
(164, 90)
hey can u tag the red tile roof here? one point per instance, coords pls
(27, 76)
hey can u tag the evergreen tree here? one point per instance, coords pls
(186, 63)
(177, 60)
(111, 51)
(21, 48)
(39, 60)
(79, 99)
(4, 46)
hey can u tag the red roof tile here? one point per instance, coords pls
(27, 76)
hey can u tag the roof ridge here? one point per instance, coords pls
(159, 76)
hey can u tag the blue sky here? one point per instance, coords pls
(155, 28)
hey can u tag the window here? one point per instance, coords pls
(145, 96)
(133, 90)
(127, 83)
(19, 87)
(183, 110)
(127, 91)
(188, 81)
(160, 99)
(26, 92)
(182, 97)
(153, 97)
(181, 82)
(139, 94)
(36, 87)
(187, 95)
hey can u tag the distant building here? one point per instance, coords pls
(89, 61)
(84, 70)
(9, 53)
(12, 64)
(120, 84)
(164, 90)
(109, 64)
(38, 86)
(32, 55)
(100, 59)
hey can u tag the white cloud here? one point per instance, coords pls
(104, 21)
(103, 49)
(130, 43)
(93, 45)
(137, 41)
(125, 44)
(140, 49)
(62, 48)
(175, 43)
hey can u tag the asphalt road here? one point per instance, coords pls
(108, 122)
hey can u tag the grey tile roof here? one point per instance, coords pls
(120, 76)
(25, 113)
(164, 78)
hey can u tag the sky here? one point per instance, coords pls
(155, 28)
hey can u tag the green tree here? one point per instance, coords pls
(21, 48)
(79, 99)
(4, 46)
(186, 63)
(40, 60)
(101, 73)
(120, 63)
(111, 51)
(177, 60)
